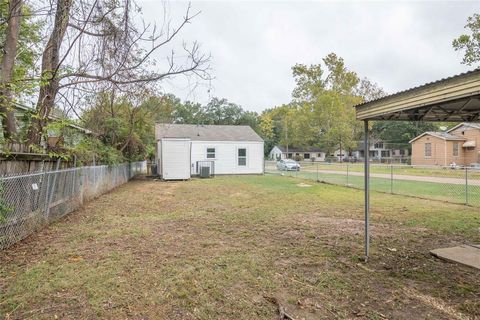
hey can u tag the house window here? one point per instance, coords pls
(455, 149)
(428, 149)
(289, 155)
(210, 153)
(378, 145)
(242, 157)
(319, 155)
(385, 154)
(306, 156)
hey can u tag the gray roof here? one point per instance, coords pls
(53, 117)
(467, 124)
(441, 135)
(206, 132)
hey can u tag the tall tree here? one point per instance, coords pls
(7, 66)
(326, 116)
(470, 43)
(51, 60)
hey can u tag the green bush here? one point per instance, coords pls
(90, 148)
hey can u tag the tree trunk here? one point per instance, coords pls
(7, 66)
(50, 66)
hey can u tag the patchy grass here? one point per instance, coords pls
(221, 248)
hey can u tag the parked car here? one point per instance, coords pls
(288, 164)
(475, 166)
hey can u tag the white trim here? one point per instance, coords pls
(237, 157)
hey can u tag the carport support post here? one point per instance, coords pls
(367, 191)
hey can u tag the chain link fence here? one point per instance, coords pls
(30, 201)
(452, 184)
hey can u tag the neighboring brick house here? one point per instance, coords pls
(459, 145)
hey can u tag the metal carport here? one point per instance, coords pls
(454, 99)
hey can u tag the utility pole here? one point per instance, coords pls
(286, 134)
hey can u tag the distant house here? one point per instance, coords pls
(182, 150)
(69, 136)
(378, 151)
(303, 153)
(459, 145)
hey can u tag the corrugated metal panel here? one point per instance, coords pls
(435, 94)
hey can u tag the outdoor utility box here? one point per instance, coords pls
(204, 172)
(175, 158)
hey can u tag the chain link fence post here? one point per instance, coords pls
(46, 176)
(52, 189)
(348, 172)
(318, 180)
(466, 185)
(391, 178)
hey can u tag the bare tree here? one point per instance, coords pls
(102, 45)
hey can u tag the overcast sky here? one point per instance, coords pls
(254, 44)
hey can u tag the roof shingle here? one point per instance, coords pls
(206, 132)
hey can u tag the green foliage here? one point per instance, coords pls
(470, 43)
(5, 208)
(90, 149)
(28, 47)
(321, 113)
(399, 133)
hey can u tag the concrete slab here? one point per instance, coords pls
(468, 255)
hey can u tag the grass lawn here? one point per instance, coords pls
(429, 171)
(430, 190)
(224, 248)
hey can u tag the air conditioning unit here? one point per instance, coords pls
(204, 172)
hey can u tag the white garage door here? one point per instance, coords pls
(175, 159)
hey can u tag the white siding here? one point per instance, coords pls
(175, 159)
(226, 156)
(275, 154)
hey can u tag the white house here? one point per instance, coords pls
(183, 149)
(306, 153)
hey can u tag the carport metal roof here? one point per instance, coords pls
(455, 99)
